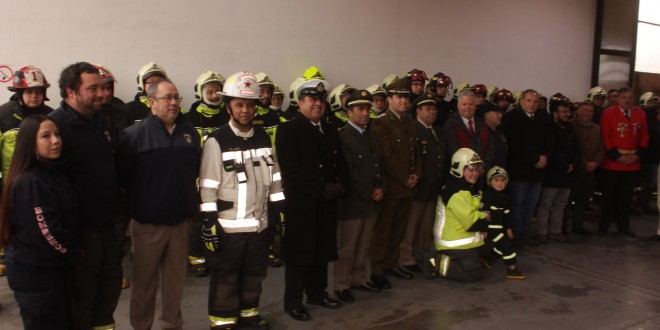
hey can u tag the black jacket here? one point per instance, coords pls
(434, 160)
(136, 109)
(527, 140)
(87, 148)
(497, 203)
(43, 219)
(159, 170)
(205, 123)
(12, 114)
(565, 152)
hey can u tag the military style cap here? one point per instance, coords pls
(359, 97)
(313, 87)
(424, 99)
(398, 86)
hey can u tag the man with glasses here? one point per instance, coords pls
(158, 163)
(139, 108)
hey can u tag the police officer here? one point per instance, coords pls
(206, 115)
(139, 108)
(237, 178)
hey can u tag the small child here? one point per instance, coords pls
(496, 201)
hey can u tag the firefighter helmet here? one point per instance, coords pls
(334, 98)
(479, 89)
(463, 157)
(148, 70)
(241, 85)
(376, 90)
(596, 91)
(293, 96)
(645, 98)
(106, 74)
(207, 78)
(389, 79)
(417, 75)
(502, 94)
(313, 73)
(264, 80)
(496, 171)
(28, 77)
(459, 88)
(277, 91)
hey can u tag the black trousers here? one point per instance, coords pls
(96, 280)
(582, 189)
(196, 248)
(237, 270)
(617, 188)
(461, 265)
(42, 295)
(502, 246)
(313, 280)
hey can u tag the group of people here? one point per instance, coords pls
(389, 181)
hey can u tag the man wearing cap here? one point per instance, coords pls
(140, 108)
(397, 135)
(313, 178)
(433, 148)
(158, 165)
(358, 207)
(237, 178)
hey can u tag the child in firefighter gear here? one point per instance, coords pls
(459, 222)
(496, 202)
(237, 178)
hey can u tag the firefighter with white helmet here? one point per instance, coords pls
(597, 97)
(237, 178)
(379, 104)
(139, 108)
(337, 99)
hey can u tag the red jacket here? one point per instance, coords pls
(622, 135)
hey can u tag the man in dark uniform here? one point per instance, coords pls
(313, 178)
(397, 135)
(359, 206)
(139, 108)
(439, 85)
(432, 147)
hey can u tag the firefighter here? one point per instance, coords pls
(139, 108)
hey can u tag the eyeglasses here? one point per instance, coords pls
(169, 98)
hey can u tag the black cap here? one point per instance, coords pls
(358, 97)
(424, 99)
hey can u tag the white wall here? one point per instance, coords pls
(515, 44)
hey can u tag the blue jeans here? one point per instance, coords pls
(524, 197)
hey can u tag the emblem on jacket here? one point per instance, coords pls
(187, 137)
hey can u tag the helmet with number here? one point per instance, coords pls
(264, 80)
(417, 75)
(106, 74)
(459, 88)
(596, 91)
(313, 73)
(293, 97)
(28, 77)
(479, 89)
(207, 78)
(334, 98)
(463, 157)
(376, 90)
(496, 171)
(389, 79)
(241, 85)
(645, 98)
(148, 70)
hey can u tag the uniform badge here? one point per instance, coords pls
(320, 87)
(187, 137)
(364, 93)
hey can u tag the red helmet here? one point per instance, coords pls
(479, 89)
(417, 75)
(28, 77)
(503, 94)
(557, 97)
(441, 79)
(106, 75)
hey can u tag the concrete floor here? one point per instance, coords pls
(608, 282)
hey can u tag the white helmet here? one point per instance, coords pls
(293, 88)
(645, 98)
(241, 85)
(148, 70)
(389, 79)
(264, 80)
(596, 91)
(334, 98)
(461, 158)
(207, 78)
(496, 171)
(376, 90)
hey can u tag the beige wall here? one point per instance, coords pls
(516, 44)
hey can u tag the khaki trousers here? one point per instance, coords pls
(419, 233)
(353, 243)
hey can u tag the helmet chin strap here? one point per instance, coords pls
(235, 121)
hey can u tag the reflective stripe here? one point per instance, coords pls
(277, 177)
(208, 183)
(494, 208)
(497, 251)
(222, 320)
(444, 265)
(104, 327)
(209, 207)
(240, 225)
(196, 260)
(507, 211)
(463, 241)
(241, 202)
(242, 177)
(495, 226)
(228, 155)
(250, 312)
(511, 256)
(277, 197)
(498, 237)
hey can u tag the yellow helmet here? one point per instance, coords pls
(497, 171)
(313, 73)
(389, 79)
(207, 78)
(461, 158)
(489, 93)
(293, 96)
(458, 88)
(148, 70)
(596, 91)
(517, 95)
(334, 98)
(645, 98)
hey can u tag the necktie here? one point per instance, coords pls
(627, 113)
(470, 127)
(318, 127)
(531, 117)
(433, 133)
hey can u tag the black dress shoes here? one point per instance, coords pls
(298, 314)
(366, 287)
(397, 272)
(413, 268)
(583, 232)
(380, 282)
(326, 302)
(654, 238)
(345, 295)
(627, 232)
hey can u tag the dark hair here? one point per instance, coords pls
(623, 90)
(70, 76)
(153, 87)
(527, 91)
(24, 158)
(612, 90)
(554, 105)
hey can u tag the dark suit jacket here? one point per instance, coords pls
(527, 140)
(434, 158)
(398, 141)
(364, 162)
(308, 161)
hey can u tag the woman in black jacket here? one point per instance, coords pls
(38, 226)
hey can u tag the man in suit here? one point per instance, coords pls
(358, 207)
(397, 135)
(313, 178)
(432, 146)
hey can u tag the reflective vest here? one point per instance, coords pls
(454, 219)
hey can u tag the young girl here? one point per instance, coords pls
(38, 226)
(496, 202)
